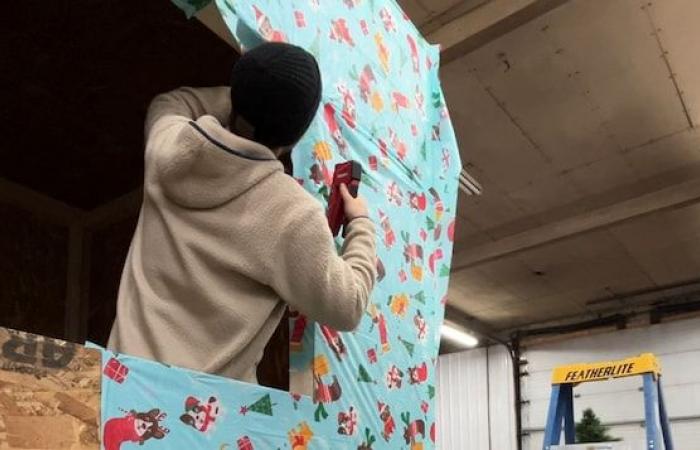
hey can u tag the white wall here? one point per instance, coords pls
(475, 401)
(677, 344)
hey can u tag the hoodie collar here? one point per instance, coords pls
(212, 166)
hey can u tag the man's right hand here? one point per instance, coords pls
(354, 207)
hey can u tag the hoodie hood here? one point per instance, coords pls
(211, 166)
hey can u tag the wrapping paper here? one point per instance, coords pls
(382, 106)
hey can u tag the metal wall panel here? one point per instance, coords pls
(475, 401)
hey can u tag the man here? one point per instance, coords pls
(225, 238)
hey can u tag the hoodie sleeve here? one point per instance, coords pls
(180, 106)
(309, 275)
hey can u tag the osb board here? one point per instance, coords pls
(49, 393)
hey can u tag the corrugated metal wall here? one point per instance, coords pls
(475, 401)
(677, 344)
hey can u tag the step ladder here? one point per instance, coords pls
(561, 404)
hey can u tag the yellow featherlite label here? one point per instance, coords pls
(583, 373)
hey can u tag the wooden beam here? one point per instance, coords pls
(466, 6)
(485, 23)
(128, 205)
(675, 196)
(211, 18)
(42, 205)
(73, 315)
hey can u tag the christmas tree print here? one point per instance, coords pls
(437, 100)
(444, 270)
(429, 223)
(364, 376)
(410, 347)
(315, 46)
(431, 391)
(420, 297)
(198, 4)
(262, 406)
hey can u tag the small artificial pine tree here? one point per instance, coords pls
(590, 430)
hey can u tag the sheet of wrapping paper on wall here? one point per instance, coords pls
(382, 106)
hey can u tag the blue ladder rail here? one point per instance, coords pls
(560, 415)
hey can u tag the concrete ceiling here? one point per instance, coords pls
(580, 124)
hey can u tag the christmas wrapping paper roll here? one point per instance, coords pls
(382, 106)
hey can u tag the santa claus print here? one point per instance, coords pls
(389, 236)
(335, 341)
(399, 145)
(394, 194)
(417, 201)
(366, 81)
(421, 326)
(418, 374)
(415, 59)
(349, 110)
(341, 33)
(387, 420)
(333, 127)
(387, 20)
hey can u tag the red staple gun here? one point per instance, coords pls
(348, 173)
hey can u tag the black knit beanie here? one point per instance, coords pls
(276, 87)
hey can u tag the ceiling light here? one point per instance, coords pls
(468, 184)
(458, 336)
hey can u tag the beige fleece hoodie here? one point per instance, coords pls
(223, 236)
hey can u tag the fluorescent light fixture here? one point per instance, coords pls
(468, 184)
(458, 336)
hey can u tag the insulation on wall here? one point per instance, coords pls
(374, 388)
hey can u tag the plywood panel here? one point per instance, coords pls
(49, 393)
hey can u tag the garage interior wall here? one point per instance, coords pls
(476, 400)
(476, 395)
(620, 403)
